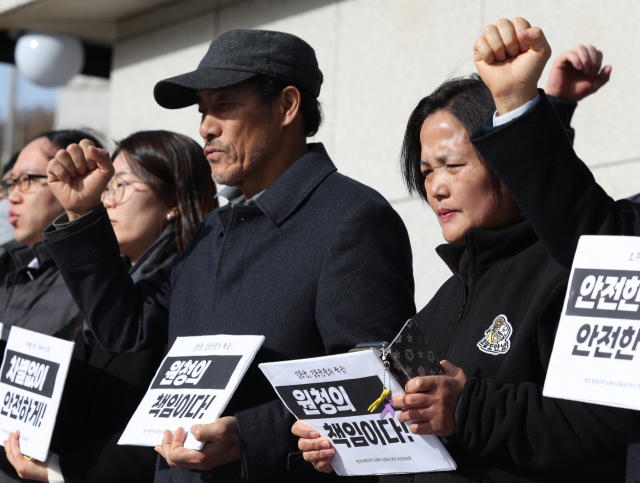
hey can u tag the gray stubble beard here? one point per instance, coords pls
(258, 158)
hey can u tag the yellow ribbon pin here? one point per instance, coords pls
(379, 401)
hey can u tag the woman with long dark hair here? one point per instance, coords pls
(161, 190)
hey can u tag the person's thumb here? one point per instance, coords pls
(197, 432)
(535, 39)
(207, 432)
(447, 367)
(101, 159)
(603, 77)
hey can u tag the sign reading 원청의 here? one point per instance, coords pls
(595, 356)
(337, 395)
(32, 379)
(192, 386)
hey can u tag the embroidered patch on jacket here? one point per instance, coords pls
(496, 338)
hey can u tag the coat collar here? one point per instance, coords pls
(280, 200)
(487, 248)
(157, 255)
(22, 255)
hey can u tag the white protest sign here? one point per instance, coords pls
(192, 386)
(595, 355)
(332, 395)
(32, 377)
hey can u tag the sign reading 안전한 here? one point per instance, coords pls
(595, 356)
(333, 395)
(192, 386)
(32, 379)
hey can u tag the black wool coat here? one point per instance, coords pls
(506, 431)
(318, 264)
(101, 393)
(35, 299)
(558, 194)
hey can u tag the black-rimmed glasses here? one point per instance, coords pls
(23, 182)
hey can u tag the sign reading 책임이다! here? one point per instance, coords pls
(596, 353)
(32, 379)
(192, 386)
(333, 395)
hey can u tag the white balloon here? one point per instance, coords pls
(49, 60)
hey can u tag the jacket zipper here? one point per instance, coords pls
(460, 316)
(464, 304)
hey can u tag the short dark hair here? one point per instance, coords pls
(63, 137)
(469, 100)
(269, 87)
(9, 164)
(177, 172)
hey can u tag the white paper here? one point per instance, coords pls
(595, 356)
(193, 385)
(32, 377)
(352, 382)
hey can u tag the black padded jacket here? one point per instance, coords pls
(506, 431)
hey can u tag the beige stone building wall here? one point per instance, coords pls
(379, 57)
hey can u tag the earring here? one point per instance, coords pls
(168, 216)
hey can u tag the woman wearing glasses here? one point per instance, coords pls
(161, 190)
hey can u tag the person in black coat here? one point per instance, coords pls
(494, 322)
(153, 220)
(33, 294)
(314, 261)
(556, 190)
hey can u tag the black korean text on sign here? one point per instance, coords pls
(195, 372)
(23, 408)
(29, 373)
(322, 400)
(368, 433)
(183, 405)
(613, 294)
(607, 341)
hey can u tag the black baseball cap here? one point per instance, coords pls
(238, 55)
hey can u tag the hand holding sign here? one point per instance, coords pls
(431, 401)
(27, 469)
(332, 397)
(194, 384)
(315, 450)
(32, 378)
(221, 445)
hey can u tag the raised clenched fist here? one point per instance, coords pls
(510, 57)
(78, 177)
(576, 74)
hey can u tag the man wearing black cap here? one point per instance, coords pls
(311, 259)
